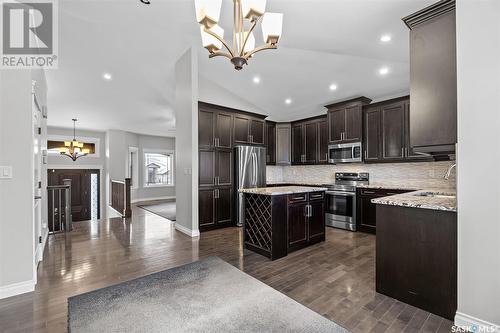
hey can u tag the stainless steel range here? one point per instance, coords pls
(341, 199)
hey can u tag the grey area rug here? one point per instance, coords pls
(205, 296)
(164, 209)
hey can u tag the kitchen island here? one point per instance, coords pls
(417, 249)
(279, 220)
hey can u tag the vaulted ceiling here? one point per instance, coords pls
(324, 42)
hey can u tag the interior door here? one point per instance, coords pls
(81, 204)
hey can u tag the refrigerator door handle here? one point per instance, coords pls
(254, 157)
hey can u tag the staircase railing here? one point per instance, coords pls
(120, 197)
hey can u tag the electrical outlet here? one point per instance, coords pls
(40, 239)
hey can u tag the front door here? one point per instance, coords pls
(84, 191)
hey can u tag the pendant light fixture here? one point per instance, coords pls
(246, 13)
(74, 149)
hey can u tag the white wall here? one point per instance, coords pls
(478, 79)
(17, 241)
(186, 142)
(117, 147)
(211, 92)
(145, 142)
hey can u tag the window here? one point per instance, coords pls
(133, 166)
(159, 168)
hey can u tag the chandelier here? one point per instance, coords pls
(74, 149)
(247, 13)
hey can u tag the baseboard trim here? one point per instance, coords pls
(465, 320)
(186, 231)
(17, 289)
(152, 199)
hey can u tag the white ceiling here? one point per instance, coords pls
(324, 42)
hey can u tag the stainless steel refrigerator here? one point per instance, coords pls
(250, 173)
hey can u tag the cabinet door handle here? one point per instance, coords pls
(368, 192)
(216, 194)
(366, 154)
(407, 152)
(215, 180)
(215, 142)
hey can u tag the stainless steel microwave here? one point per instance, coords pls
(345, 153)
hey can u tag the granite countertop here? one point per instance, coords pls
(444, 200)
(297, 183)
(281, 190)
(388, 186)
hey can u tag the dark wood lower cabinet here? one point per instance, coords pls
(279, 224)
(297, 225)
(215, 207)
(366, 213)
(416, 257)
(206, 208)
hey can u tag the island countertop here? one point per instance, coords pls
(444, 200)
(282, 190)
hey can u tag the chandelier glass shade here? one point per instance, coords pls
(247, 14)
(74, 149)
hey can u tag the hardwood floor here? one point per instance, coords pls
(334, 278)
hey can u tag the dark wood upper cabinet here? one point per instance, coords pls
(386, 132)
(336, 122)
(433, 78)
(372, 134)
(310, 142)
(223, 132)
(257, 129)
(345, 120)
(241, 129)
(206, 124)
(297, 144)
(353, 124)
(393, 131)
(270, 142)
(322, 141)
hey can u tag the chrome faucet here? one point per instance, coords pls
(448, 172)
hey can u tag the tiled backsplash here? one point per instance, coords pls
(419, 175)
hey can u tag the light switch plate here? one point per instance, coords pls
(5, 172)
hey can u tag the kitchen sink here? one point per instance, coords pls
(435, 195)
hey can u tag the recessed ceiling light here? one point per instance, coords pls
(385, 38)
(333, 86)
(256, 79)
(383, 71)
(107, 76)
(288, 101)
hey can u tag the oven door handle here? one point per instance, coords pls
(346, 194)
